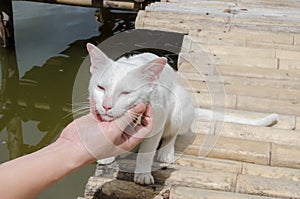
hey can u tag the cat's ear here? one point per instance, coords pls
(97, 57)
(152, 70)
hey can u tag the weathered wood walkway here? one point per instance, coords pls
(255, 46)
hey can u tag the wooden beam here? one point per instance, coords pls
(15, 138)
(85, 3)
(6, 23)
(113, 4)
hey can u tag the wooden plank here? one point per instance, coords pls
(205, 100)
(298, 123)
(240, 167)
(266, 15)
(268, 105)
(230, 149)
(216, 9)
(257, 44)
(267, 187)
(184, 17)
(229, 60)
(198, 63)
(193, 3)
(262, 36)
(277, 3)
(218, 41)
(285, 54)
(272, 172)
(265, 27)
(290, 3)
(199, 72)
(179, 27)
(280, 41)
(6, 24)
(270, 22)
(297, 39)
(291, 95)
(287, 64)
(269, 10)
(233, 50)
(253, 133)
(202, 178)
(246, 38)
(249, 35)
(249, 103)
(262, 73)
(285, 156)
(243, 61)
(153, 19)
(190, 77)
(209, 163)
(181, 192)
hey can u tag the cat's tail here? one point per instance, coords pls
(208, 114)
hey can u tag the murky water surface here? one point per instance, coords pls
(38, 76)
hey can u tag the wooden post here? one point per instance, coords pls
(6, 23)
(15, 137)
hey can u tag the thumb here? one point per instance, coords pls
(130, 116)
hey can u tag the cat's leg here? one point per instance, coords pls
(180, 122)
(144, 161)
(166, 153)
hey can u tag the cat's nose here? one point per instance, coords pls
(106, 108)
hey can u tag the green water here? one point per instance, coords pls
(38, 77)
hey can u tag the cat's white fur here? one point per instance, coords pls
(116, 86)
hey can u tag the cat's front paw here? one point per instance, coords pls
(143, 178)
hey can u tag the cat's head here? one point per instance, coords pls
(117, 86)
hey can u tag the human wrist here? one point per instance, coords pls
(74, 154)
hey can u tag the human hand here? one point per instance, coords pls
(107, 139)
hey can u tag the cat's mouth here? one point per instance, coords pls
(104, 117)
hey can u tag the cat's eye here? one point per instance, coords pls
(101, 87)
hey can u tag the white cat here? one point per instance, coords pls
(116, 86)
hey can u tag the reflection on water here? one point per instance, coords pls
(38, 76)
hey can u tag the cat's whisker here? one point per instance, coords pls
(81, 110)
(76, 113)
(78, 110)
(78, 103)
(82, 107)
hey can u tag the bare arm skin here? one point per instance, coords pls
(27, 176)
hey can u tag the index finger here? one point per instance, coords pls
(147, 117)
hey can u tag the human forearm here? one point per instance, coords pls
(80, 143)
(27, 176)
